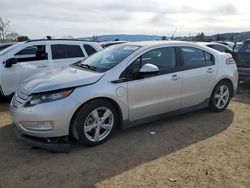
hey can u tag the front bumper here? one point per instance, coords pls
(58, 112)
(43, 144)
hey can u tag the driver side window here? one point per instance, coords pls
(32, 53)
(163, 58)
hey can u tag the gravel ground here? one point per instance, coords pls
(199, 149)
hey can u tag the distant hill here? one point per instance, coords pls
(123, 37)
(221, 37)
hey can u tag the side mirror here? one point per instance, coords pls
(148, 69)
(10, 62)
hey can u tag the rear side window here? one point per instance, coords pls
(62, 51)
(89, 49)
(218, 47)
(196, 57)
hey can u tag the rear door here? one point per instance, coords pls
(199, 71)
(243, 56)
(151, 95)
(66, 54)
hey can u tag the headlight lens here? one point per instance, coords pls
(48, 97)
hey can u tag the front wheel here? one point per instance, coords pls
(220, 97)
(95, 122)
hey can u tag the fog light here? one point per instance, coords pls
(37, 125)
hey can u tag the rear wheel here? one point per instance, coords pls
(95, 122)
(1, 98)
(221, 96)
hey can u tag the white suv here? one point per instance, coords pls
(24, 59)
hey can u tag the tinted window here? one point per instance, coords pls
(218, 47)
(3, 47)
(31, 50)
(89, 49)
(209, 58)
(74, 51)
(196, 57)
(61, 51)
(245, 47)
(32, 53)
(163, 58)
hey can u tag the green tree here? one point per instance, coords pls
(200, 37)
(22, 38)
(12, 36)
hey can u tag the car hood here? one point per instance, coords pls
(59, 78)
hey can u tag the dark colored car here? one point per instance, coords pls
(6, 45)
(111, 43)
(242, 58)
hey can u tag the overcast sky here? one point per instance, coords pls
(78, 18)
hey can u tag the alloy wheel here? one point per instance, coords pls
(98, 124)
(221, 96)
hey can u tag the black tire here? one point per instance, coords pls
(212, 103)
(80, 120)
(1, 98)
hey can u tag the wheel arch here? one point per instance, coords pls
(228, 80)
(116, 105)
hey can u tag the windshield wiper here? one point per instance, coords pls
(86, 66)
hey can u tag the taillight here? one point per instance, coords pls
(230, 61)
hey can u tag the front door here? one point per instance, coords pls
(154, 94)
(30, 60)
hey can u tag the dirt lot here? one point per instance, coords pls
(199, 149)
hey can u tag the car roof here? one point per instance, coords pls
(113, 42)
(149, 44)
(7, 43)
(158, 42)
(208, 43)
(53, 41)
(96, 45)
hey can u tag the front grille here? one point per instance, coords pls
(20, 99)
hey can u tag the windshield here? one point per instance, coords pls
(107, 58)
(8, 49)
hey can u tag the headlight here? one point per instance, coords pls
(48, 97)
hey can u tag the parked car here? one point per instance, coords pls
(226, 43)
(242, 58)
(111, 43)
(26, 58)
(218, 46)
(6, 45)
(123, 85)
(237, 46)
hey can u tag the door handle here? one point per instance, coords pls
(210, 70)
(42, 66)
(175, 77)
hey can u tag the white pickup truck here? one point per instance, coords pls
(24, 59)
